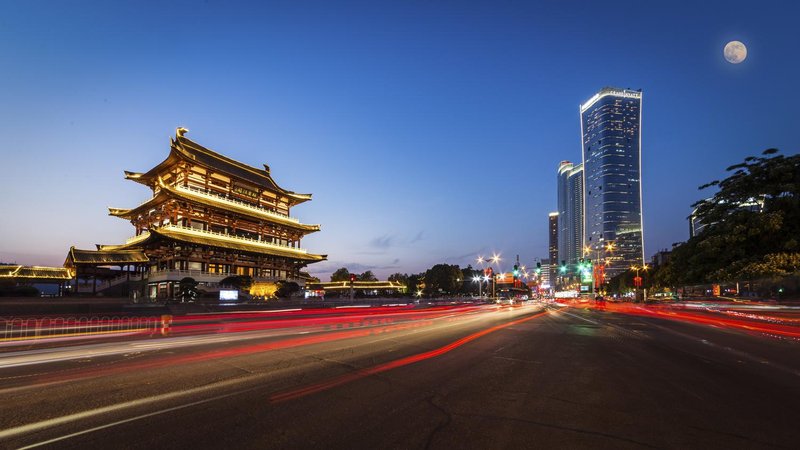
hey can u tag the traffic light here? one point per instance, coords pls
(352, 277)
(538, 268)
(516, 271)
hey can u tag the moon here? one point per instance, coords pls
(735, 52)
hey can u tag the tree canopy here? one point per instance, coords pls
(367, 276)
(341, 274)
(443, 278)
(752, 224)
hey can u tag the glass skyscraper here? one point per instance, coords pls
(552, 248)
(570, 212)
(611, 123)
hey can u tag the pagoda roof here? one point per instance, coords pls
(191, 236)
(168, 191)
(19, 272)
(184, 149)
(104, 257)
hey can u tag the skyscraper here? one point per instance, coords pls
(611, 136)
(552, 229)
(570, 212)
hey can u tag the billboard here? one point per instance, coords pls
(228, 295)
(504, 278)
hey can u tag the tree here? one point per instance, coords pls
(443, 278)
(399, 277)
(287, 289)
(367, 276)
(341, 274)
(242, 282)
(187, 289)
(467, 285)
(751, 221)
(413, 283)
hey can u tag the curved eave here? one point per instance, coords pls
(178, 146)
(148, 177)
(213, 241)
(189, 196)
(297, 198)
(135, 176)
(133, 212)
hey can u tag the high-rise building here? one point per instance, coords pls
(570, 212)
(611, 123)
(552, 229)
(545, 280)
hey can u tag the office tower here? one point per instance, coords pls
(611, 137)
(570, 212)
(552, 230)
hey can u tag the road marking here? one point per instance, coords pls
(37, 426)
(132, 419)
(582, 318)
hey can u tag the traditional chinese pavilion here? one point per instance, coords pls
(209, 217)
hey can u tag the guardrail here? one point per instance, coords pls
(20, 329)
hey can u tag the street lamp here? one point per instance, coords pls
(637, 281)
(477, 279)
(495, 259)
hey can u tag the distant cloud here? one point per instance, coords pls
(388, 240)
(384, 241)
(324, 269)
(471, 256)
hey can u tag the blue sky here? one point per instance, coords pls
(427, 131)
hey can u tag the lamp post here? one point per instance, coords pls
(637, 281)
(495, 259)
(599, 266)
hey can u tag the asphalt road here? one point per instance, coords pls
(486, 378)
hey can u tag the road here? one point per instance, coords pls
(478, 377)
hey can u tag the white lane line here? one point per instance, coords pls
(49, 423)
(133, 419)
(582, 318)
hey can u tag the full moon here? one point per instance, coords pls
(735, 52)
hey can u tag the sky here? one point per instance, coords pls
(427, 131)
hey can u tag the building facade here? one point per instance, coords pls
(209, 217)
(611, 147)
(546, 276)
(552, 248)
(570, 213)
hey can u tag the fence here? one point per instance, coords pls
(17, 329)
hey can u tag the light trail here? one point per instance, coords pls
(291, 335)
(693, 317)
(147, 401)
(347, 378)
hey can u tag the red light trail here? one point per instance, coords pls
(347, 378)
(706, 319)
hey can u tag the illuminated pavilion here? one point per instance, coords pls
(209, 217)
